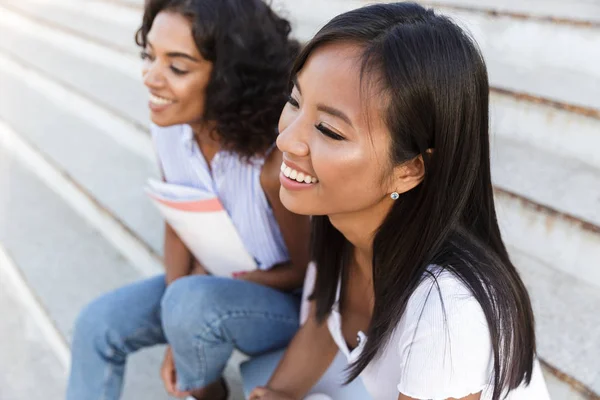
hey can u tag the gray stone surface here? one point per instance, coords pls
(134, 3)
(115, 91)
(517, 53)
(66, 263)
(64, 260)
(111, 173)
(553, 130)
(567, 319)
(29, 369)
(111, 34)
(559, 390)
(579, 10)
(564, 184)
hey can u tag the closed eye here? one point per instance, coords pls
(177, 71)
(329, 133)
(147, 56)
(293, 102)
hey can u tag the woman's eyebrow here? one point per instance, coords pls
(175, 54)
(325, 108)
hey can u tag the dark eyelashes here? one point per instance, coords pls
(293, 101)
(145, 56)
(320, 127)
(178, 71)
(328, 132)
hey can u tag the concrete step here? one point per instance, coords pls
(548, 208)
(65, 262)
(572, 11)
(95, 21)
(31, 367)
(112, 12)
(77, 63)
(547, 127)
(564, 184)
(558, 390)
(565, 71)
(56, 250)
(567, 320)
(113, 175)
(137, 4)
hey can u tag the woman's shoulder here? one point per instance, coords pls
(442, 298)
(443, 339)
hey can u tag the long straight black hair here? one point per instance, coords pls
(435, 80)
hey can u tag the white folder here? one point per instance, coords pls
(203, 224)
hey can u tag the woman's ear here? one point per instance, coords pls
(408, 174)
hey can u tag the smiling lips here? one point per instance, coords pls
(159, 101)
(294, 175)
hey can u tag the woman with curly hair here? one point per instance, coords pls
(217, 73)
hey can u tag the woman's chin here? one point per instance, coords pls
(162, 122)
(294, 202)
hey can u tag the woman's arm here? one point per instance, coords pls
(177, 257)
(306, 359)
(294, 228)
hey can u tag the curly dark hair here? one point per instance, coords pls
(251, 52)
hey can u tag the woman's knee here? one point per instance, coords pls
(93, 322)
(185, 307)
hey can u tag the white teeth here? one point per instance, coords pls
(297, 176)
(159, 100)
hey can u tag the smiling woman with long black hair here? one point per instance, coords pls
(389, 117)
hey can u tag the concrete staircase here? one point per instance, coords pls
(75, 153)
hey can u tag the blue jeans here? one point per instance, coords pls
(202, 317)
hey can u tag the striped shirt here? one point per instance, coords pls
(235, 182)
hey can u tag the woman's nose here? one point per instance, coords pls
(292, 141)
(152, 76)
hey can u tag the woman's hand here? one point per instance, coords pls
(256, 276)
(169, 375)
(263, 393)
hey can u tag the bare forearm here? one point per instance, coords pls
(307, 358)
(177, 258)
(283, 277)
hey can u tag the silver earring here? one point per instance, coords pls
(394, 196)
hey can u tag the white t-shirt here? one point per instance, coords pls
(440, 349)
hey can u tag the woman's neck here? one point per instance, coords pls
(207, 139)
(359, 229)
